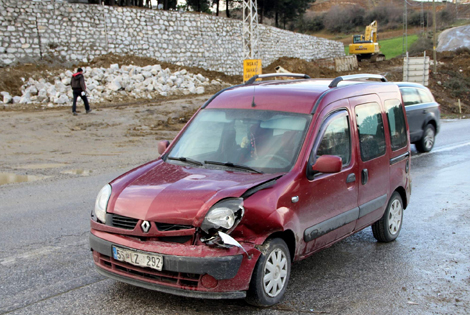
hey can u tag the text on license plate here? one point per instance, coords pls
(138, 258)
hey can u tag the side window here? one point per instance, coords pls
(371, 131)
(410, 96)
(336, 140)
(425, 98)
(396, 124)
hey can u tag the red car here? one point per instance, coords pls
(265, 173)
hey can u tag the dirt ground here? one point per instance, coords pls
(53, 143)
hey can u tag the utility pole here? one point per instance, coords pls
(405, 29)
(434, 36)
(250, 29)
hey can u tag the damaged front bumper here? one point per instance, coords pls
(196, 271)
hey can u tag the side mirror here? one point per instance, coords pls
(162, 146)
(328, 164)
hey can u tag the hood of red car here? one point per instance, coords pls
(177, 194)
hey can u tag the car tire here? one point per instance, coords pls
(268, 287)
(389, 226)
(426, 143)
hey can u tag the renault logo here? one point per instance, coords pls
(145, 226)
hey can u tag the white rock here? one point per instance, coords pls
(215, 82)
(179, 81)
(16, 99)
(62, 99)
(60, 87)
(42, 95)
(192, 89)
(114, 85)
(138, 78)
(51, 91)
(113, 68)
(147, 74)
(32, 90)
(7, 98)
(66, 81)
(200, 90)
(39, 85)
(156, 68)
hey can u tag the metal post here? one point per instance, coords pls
(434, 37)
(250, 29)
(407, 67)
(424, 68)
(404, 32)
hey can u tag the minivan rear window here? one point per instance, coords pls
(396, 123)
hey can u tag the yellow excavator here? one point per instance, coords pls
(366, 46)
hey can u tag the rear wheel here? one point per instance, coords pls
(426, 143)
(271, 274)
(388, 227)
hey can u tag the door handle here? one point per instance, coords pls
(351, 178)
(364, 176)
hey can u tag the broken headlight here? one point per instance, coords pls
(223, 216)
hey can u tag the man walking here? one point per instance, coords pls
(79, 89)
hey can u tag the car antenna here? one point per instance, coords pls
(253, 104)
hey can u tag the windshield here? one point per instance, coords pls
(265, 141)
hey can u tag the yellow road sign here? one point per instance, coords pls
(251, 67)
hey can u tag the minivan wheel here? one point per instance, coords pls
(389, 226)
(426, 143)
(271, 274)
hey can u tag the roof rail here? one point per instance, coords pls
(335, 81)
(272, 75)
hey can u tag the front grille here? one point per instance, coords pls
(123, 222)
(169, 278)
(172, 227)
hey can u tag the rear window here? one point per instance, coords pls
(410, 96)
(425, 97)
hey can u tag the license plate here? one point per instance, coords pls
(136, 258)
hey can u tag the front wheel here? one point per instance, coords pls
(426, 143)
(389, 226)
(271, 274)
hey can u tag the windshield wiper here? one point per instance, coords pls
(230, 164)
(184, 159)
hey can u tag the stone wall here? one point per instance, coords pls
(33, 30)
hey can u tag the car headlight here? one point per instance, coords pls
(102, 203)
(224, 215)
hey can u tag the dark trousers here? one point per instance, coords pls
(76, 94)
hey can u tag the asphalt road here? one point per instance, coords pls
(46, 266)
